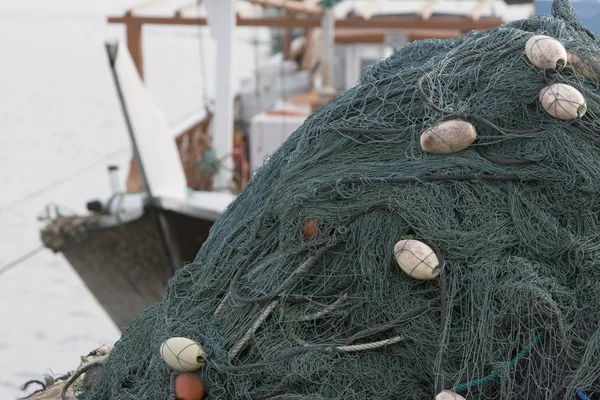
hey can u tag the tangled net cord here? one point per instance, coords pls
(591, 136)
(296, 276)
(310, 263)
(76, 375)
(541, 243)
(86, 368)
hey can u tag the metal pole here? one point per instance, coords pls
(222, 23)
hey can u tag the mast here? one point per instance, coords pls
(222, 22)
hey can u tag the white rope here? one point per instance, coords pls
(368, 346)
(240, 345)
(250, 274)
(221, 305)
(356, 347)
(302, 269)
(326, 310)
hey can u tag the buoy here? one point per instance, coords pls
(563, 101)
(448, 137)
(310, 229)
(417, 259)
(187, 387)
(448, 395)
(182, 354)
(546, 52)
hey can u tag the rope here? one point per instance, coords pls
(496, 374)
(240, 345)
(303, 349)
(454, 59)
(424, 178)
(369, 346)
(36, 193)
(582, 395)
(343, 286)
(172, 395)
(221, 305)
(31, 382)
(76, 375)
(501, 161)
(21, 259)
(324, 311)
(295, 277)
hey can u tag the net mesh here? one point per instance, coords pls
(514, 220)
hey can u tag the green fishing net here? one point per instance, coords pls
(514, 220)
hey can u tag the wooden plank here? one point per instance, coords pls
(181, 10)
(133, 31)
(286, 39)
(460, 23)
(377, 36)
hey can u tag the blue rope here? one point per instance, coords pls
(582, 395)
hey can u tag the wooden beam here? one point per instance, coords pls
(377, 36)
(133, 31)
(479, 9)
(427, 9)
(181, 10)
(463, 24)
(286, 39)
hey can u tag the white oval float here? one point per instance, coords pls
(448, 137)
(182, 354)
(448, 395)
(563, 101)
(546, 52)
(417, 259)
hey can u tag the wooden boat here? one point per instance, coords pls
(127, 248)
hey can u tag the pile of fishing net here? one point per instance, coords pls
(305, 288)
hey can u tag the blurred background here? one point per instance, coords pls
(61, 125)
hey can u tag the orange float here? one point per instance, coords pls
(310, 229)
(187, 387)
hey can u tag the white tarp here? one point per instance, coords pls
(153, 139)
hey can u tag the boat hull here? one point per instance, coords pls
(126, 266)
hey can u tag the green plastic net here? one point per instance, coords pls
(514, 219)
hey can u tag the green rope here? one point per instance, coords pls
(496, 374)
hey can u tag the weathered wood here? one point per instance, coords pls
(192, 144)
(125, 267)
(133, 28)
(351, 36)
(286, 40)
(461, 23)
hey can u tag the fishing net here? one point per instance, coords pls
(285, 312)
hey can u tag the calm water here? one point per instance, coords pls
(58, 114)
